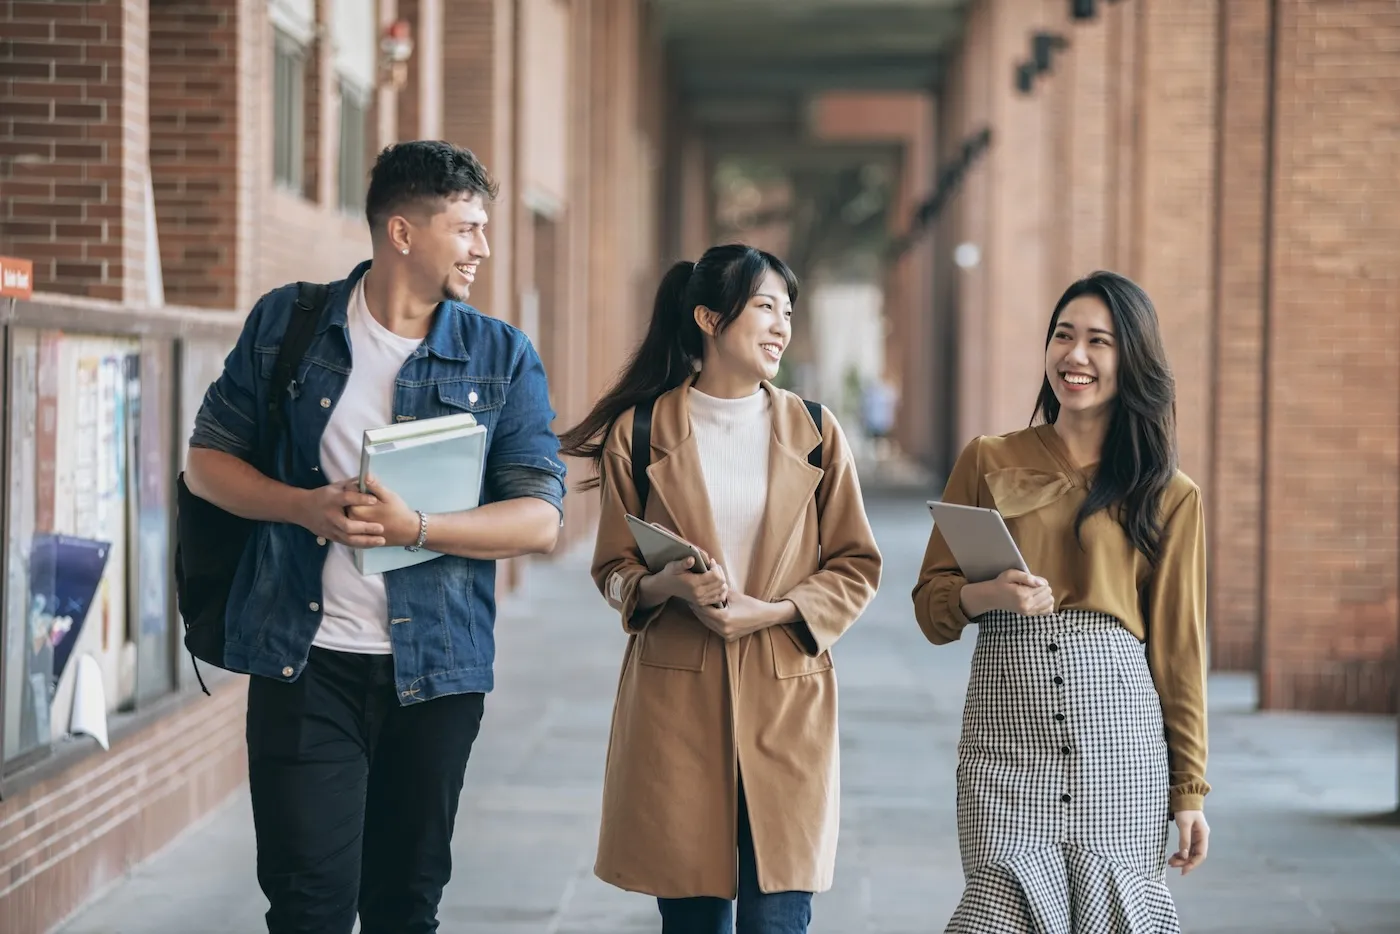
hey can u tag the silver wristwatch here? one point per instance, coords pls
(422, 533)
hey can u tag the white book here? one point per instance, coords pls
(435, 464)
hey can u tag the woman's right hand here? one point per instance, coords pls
(1013, 591)
(678, 580)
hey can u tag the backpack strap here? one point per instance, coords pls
(301, 329)
(641, 452)
(815, 410)
(641, 445)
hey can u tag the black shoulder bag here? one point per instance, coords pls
(209, 542)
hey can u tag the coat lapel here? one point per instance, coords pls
(792, 483)
(677, 479)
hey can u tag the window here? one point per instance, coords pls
(288, 111)
(354, 120)
(87, 610)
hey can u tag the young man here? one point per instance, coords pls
(367, 691)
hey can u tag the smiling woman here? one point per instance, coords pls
(790, 565)
(1085, 665)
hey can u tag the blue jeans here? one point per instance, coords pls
(759, 912)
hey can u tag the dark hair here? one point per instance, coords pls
(723, 281)
(423, 171)
(1139, 455)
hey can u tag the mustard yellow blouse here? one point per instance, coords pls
(1029, 477)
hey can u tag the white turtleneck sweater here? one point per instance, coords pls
(733, 437)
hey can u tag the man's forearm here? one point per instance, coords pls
(508, 529)
(236, 486)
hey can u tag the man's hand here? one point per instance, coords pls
(325, 512)
(743, 615)
(1194, 841)
(388, 510)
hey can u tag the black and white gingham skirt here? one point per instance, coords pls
(1062, 781)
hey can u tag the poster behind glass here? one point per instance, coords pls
(149, 400)
(77, 526)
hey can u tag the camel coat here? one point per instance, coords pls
(693, 710)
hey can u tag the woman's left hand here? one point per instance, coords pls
(1194, 840)
(743, 615)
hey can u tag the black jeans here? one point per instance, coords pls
(354, 796)
(759, 912)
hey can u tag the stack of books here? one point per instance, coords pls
(435, 464)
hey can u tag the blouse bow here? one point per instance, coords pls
(1020, 490)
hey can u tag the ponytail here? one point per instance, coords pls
(723, 281)
(665, 359)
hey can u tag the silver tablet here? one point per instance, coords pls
(978, 539)
(662, 546)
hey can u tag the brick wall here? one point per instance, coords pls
(1236, 492)
(1333, 338)
(194, 91)
(279, 224)
(1256, 200)
(73, 142)
(66, 837)
(1174, 259)
(966, 110)
(1088, 135)
(1019, 292)
(477, 62)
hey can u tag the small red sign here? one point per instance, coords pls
(16, 277)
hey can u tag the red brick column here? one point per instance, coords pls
(194, 93)
(1237, 448)
(1332, 490)
(73, 144)
(478, 77)
(1175, 253)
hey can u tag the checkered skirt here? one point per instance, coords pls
(1062, 781)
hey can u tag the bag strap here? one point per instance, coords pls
(815, 410)
(301, 330)
(641, 445)
(641, 452)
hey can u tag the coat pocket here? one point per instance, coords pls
(789, 659)
(672, 641)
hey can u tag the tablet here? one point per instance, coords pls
(662, 546)
(978, 539)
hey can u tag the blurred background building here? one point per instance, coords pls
(937, 171)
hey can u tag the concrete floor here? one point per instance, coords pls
(1297, 846)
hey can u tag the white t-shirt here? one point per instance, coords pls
(355, 606)
(734, 437)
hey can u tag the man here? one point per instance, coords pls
(367, 691)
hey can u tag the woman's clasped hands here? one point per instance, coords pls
(1013, 591)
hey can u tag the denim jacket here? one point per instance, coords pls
(441, 612)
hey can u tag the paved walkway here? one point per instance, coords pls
(1297, 848)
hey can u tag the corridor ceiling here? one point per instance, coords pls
(750, 64)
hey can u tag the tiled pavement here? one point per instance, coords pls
(1296, 845)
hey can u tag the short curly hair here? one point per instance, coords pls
(423, 171)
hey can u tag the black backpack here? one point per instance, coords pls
(641, 447)
(209, 542)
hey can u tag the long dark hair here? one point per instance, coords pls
(1139, 455)
(723, 281)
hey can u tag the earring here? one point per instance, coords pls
(405, 251)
